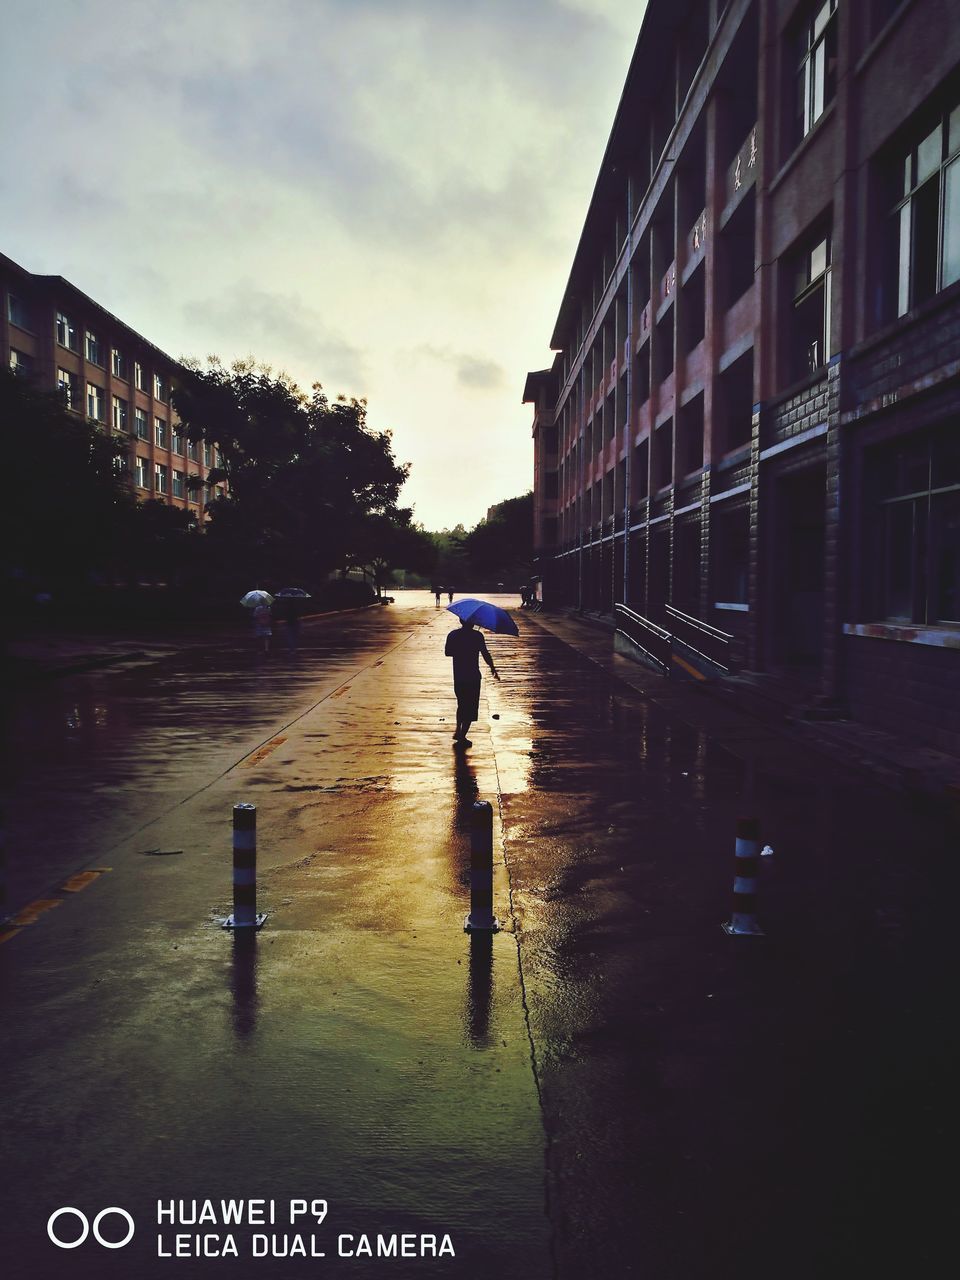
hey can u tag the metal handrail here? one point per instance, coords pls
(697, 624)
(656, 643)
(721, 638)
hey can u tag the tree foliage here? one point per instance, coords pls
(312, 487)
(500, 548)
(67, 505)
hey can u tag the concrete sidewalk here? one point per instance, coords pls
(752, 728)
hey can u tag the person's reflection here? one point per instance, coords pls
(243, 982)
(465, 786)
(480, 972)
(480, 988)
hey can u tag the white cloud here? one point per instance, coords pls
(329, 185)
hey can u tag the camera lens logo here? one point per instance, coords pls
(85, 1228)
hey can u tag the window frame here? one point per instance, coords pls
(92, 349)
(801, 296)
(806, 45)
(63, 323)
(96, 394)
(121, 414)
(905, 210)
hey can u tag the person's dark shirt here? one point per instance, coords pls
(465, 647)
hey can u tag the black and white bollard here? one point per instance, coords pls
(743, 918)
(245, 914)
(481, 870)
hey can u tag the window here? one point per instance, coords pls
(914, 528)
(66, 333)
(17, 312)
(206, 454)
(160, 388)
(20, 363)
(810, 336)
(139, 376)
(94, 351)
(95, 402)
(119, 414)
(178, 489)
(816, 61)
(140, 424)
(193, 494)
(160, 433)
(119, 365)
(140, 466)
(177, 442)
(160, 477)
(68, 385)
(928, 214)
(193, 451)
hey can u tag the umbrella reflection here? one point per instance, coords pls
(243, 982)
(479, 989)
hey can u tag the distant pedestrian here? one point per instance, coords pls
(288, 611)
(449, 596)
(466, 647)
(263, 625)
(436, 593)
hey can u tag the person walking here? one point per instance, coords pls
(449, 596)
(436, 593)
(263, 625)
(288, 611)
(466, 647)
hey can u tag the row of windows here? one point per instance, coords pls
(926, 208)
(167, 480)
(922, 258)
(69, 385)
(94, 349)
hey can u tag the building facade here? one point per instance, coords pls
(753, 413)
(54, 334)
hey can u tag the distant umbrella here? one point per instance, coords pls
(485, 615)
(296, 593)
(255, 598)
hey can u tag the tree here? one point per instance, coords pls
(64, 510)
(500, 548)
(304, 474)
(387, 542)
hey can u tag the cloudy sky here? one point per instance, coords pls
(382, 195)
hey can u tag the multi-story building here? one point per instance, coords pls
(754, 410)
(53, 333)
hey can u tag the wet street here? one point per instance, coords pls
(610, 1086)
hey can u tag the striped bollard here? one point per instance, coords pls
(245, 914)
(743, 918)
(481, 870)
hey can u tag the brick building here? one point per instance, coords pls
(53, 333)
(753, 413)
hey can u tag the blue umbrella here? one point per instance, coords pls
(484, 615)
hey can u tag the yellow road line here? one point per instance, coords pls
(697, 675)
(34, 910)
(262, 752)
(79, 881)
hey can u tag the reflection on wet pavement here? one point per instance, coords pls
(365, 1048)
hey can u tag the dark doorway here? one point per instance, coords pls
(797, 569)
